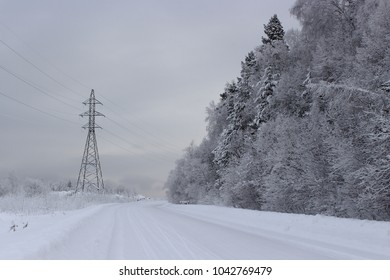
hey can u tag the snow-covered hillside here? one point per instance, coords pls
(159, 230)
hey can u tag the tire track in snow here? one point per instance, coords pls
(178, 246)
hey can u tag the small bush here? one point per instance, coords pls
(34, 187)
(5, 188)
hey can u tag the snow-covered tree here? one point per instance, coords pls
(373, 59)
(274, 31)
(241, 185)
(193, 178)
(225, 149)
(248, 67)
(373, 178)
(385, 86)
(286, 181)
(263, 97)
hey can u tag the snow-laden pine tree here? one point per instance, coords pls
(227, 146)
(249, 68)
(373, 58)
(263, 97)
(272, 56)
(274, 51)
(274, 31)
(237, 97)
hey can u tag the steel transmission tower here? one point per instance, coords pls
(90, 175)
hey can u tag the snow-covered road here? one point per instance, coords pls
(159, 230)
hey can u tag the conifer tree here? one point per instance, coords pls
(263, 97)
(223, 152)
(273, 30)
(248, 67)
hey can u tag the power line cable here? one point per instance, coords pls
(35, 108)
(15, 118)
(155, 144)
(37, 68)
(36, 87)
(134, 145)
(41, 56)
(161, 159)
(167, 143)
(124, 140)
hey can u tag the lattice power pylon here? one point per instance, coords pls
(90, 175)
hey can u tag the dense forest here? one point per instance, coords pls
(306, 126)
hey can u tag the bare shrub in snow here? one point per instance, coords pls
(34, 187)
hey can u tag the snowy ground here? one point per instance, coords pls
(159, 230)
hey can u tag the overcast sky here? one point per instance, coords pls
(155, 65)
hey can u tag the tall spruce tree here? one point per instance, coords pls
(273, 30)
(224, 150)
(248, 67)
(263, 97)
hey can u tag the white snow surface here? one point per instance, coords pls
(160, 230)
